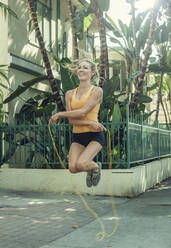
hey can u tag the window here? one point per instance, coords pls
(43, 10)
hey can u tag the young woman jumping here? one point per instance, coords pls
(82, 107)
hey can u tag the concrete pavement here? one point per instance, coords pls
(46, 220)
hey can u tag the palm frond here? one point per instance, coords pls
(3, 75)
(7, 10)
(23, 87)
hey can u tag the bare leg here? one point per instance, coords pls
(85, 159)
(81, 159)
(74, 154)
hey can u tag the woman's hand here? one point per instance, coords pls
(54, 118)
(98, 126)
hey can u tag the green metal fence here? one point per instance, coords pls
(147, 143)
(30, 146)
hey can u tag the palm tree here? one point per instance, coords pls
(104, 62)
(134, 29)
(139, 86)
(75, 52)
(126, 36)
(52, 81)
(6, 9)
(96, 7)
(163, 65)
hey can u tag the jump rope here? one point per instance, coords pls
(103, 234)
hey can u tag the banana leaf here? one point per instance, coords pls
(3, 75)
(22, 88)
(87, 22)
(144, 99)
(147, 115)
(152, 87)
(104, 5)
(6, 10)
(116, 115)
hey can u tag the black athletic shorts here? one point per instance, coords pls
(85, 138)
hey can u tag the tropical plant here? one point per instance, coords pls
(134, 29)
(30, 127)
(82, 19)
(52, 80)
(132, 40)
(148, 50)
(72, 10)
(68, 81)
(99, 7)
(30, 131)
(163, 66)
(3, 77)
(37, 110)
(124, 36)
(7, 10)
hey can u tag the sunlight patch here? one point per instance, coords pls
(56, 218)
(112, 218)
(35, 202)
(70, 210)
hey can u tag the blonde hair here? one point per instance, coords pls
(74, 65)
(92, 64)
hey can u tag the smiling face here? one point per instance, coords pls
(84, 71)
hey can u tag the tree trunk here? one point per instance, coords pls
(93, 48)
(165, 114)
(52, 81)
(148, 50)
(168, 113)
(159, 97)
(104, 62)
(168, 81)
(134, 33)
(75, 51)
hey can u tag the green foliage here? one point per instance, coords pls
(108, 98)
(168, 59)
(3, 73)
(158, 68)
(143, 31)
(162, 34)
(116, 115)
(6, 10)
(152, 87)
(36, 111)
(78, 23)
(69, 79)
(22, 88)
(87, 21)
(147, 115)
(3, 81)
(102, 4)
(144, 99)
(84, 17)
(41, 106)
(123, 36)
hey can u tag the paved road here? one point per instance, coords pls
(45, 220)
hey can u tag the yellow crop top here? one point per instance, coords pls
(92, 115)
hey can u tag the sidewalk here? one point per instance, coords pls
(45, 220)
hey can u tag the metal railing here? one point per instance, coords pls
(132, 141)
(30, 146)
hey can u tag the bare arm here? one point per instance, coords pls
(74, 116)
(95, 98)
(79, 122)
